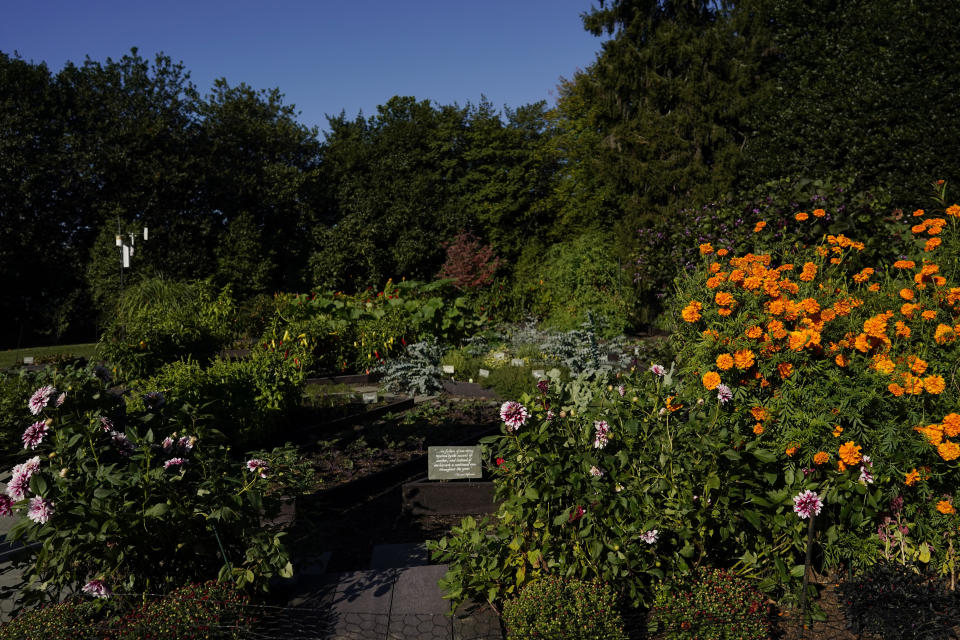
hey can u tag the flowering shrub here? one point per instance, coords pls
(847, 370)
(562, 609)
(124, 500)
(711, 605)
(204, 610)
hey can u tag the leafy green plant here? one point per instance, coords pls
(131, 501)
(213, 609)
(159, 321)
(712, 605)
(559, 609)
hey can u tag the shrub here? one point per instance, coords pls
(560, 609)
(209, 610)
(709, 604)
(160, 321)
(895, 601)
(132, 500)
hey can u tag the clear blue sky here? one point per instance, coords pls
(325, 55)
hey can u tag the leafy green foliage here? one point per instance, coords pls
(160, 321)
(133, 500)
(710, 604)
(208, 608)
(562, 609)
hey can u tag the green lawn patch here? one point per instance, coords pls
(13, 357)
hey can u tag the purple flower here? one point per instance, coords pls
(258, 465)
(6, 505)
(40, 510)
(34, 434)
(622, 390)
(19, 483)
(174, 462)
(122, 443)
(549, 415)
(650, 536)
(807, 504)
(658, 370)
(601, 439)
(513, 414)
(40, 399)
(543, 386)
(97, 589)
(723, 393)
(167, 444)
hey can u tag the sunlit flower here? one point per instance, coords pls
(951, 425)
(174, 462)
(800, 217)
(595, 472)
(850, 453)
(821, 457)
(40, 510)
(724, 361)
(724, 394)
(948, 450)
(945, 507)
(758, 428)
(934, 384)
(759, 226)
(743, 358)
(912, 477)
(807, 504)
(19, 483)
(819, 213)
(658, 370)
(691, 312)
(650, 536)
(513, 414)
(710, 380)
(791, 449)
(97, 589)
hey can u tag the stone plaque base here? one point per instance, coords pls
(425, 497)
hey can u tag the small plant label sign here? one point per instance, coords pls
(517, 362)
(484, 373)
(453, 463)
(448, 368)
(370, 397)
(28, 360)
(539, 374)
(499, 355)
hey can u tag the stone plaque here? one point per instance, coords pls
(28, 360)
(484, 373)
(451, 463)
(448, 368)
(517, 362)
(370, 397)
(539, 374)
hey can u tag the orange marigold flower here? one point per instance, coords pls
(918, 213)
(673, 407)
(724, 311)
(801, 216)
(944, 333)
(904, 264)
(819, 213)
(850, 453)
(895, 389)
(837, 430)
(711, 380)
(874, 287)
(722, 252)
(724, 361)
(862, 343)
(902, 330)
(908, 309)
(932, 432)
(791, 449)
(754, 332)
(784, 369)
(951, 425)
(907, 294)
(821, 457)
(810, 305)
(760, 414)
(691, 312)
(953, 211)
(929, 314)
(883, 364)
(934, 384)
(743, 359)
(912, 384)
(758, 428)
(917, 365)
(724, 299)
(706, 248)
(945, 508)
(759, 226)
(931, 244)
(948, 450)
(912, 477)
(840, 466)
(841, 360)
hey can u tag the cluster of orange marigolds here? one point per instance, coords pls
(798, 325)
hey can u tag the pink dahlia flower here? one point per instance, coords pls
(601, 439)
(650, 536)
(97, 589)
(40, 399)
(40, 510)
(513, 414)
(258, 466)
(34, 434)
(807, 504)
(174, 462)
(6, 505)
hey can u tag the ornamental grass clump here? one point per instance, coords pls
(564, 609)
(847, 370)
(710, 604)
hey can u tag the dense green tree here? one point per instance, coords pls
(863, 88)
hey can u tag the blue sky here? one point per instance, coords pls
(327, 55)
